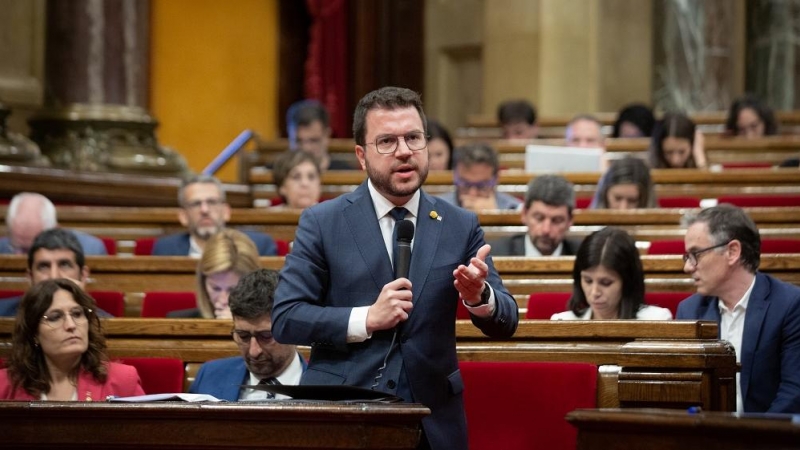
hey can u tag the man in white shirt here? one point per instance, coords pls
(263, 360)
(757, 313)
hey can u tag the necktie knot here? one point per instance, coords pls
(270, 380)
(398, 213)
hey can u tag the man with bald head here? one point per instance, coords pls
(28, 215)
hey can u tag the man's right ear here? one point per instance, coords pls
(361, 155)
(184, 220)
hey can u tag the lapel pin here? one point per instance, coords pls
(435, 215)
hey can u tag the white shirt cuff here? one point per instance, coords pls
(482, 310)
(357, 325)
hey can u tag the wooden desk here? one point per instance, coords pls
(657, 429)
(646, 364)
(176, 425)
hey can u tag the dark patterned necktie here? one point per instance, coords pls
(398, 214)
(273, 381)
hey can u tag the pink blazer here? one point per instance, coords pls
(122, 381)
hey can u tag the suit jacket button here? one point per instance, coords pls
(391, 384)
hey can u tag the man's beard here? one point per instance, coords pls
(383, 182)
(205, 233)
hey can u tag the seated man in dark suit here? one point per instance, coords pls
(758, 314)
(547, 212)
(263, 360)
(204, 211)
(55, 253)
(28, 215)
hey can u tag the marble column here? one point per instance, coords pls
(699, 64)
(96, 90)
(773, 63)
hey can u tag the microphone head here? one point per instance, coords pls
(405, 230)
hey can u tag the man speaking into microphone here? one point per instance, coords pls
(338, 292)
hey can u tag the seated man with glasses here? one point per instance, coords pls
(204, 211)
(54, 253)
(475, 179)
(757, 313)
(263, 360)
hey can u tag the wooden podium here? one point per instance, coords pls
(180, 425)
(662, 429)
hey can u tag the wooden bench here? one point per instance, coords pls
(521, 276)
(126, 224)
(668, 183)
(98, 188)
(719, 150)
(665, 364)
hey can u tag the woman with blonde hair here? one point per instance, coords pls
(227, 256)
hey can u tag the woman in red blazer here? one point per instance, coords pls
(58, 350)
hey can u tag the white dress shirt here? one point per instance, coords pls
(731, 329)
(290, 376)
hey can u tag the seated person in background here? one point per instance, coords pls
(475, 179)
(518, 119)
(547, 212)
(625, 185)
(204, 211)
(608, 281)
(676, 144)
(585, 131)
(28, 215)
(634, 121)
(228, 256)
(750, 118)
(297, 177)
(58, 351)
(308, 126)
(440, 147)
(757, 313)
(55, 253)
(263, 360)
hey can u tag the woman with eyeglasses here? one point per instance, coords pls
(58, 350)
(608, 281)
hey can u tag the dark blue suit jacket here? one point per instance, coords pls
(178, 244)
(339, 261)
(9, 307)
(92, 245)
(770, 378)
(222, 378)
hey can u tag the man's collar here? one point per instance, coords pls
(383, 205)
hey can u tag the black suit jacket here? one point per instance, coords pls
(515, 246)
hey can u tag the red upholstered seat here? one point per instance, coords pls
(282, 247)
(583, 202)
(158, 304)
(669, 300)
(112, 302)
(521, 405)
(144, 246)
(7, 293)
(542, 305)
(461, 311)
(753, 201)
(110, 244)
(780, 246)
(746, 165)
(679, 202)
(670, 247)
(158, 375)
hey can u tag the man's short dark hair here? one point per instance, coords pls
(477, 153)
(254, 294)
(726, 222)
(388, 97)
(200, 179)
(306, 112)
(552, 190)
(515, 111)
(57, 239)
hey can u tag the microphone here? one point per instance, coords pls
(405, 233)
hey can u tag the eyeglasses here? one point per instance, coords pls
(197, 204)
(243, 337)
(387, 143)
(482, 186)
(692, 257)
(56, 319)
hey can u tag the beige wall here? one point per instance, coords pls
(566, 56)
(214, 74)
